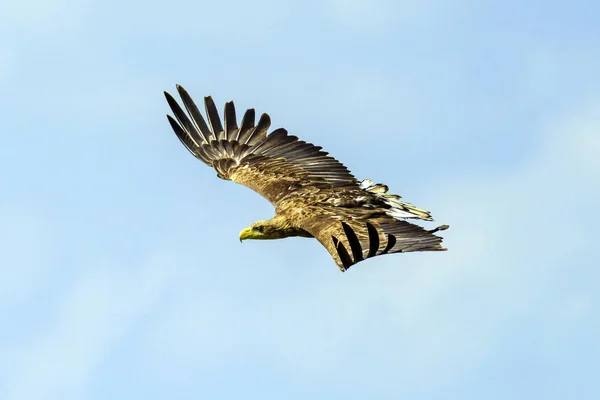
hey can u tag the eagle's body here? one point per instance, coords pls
(314, 195)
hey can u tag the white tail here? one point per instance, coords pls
(398, 207)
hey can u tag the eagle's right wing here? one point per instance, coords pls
(353, 235)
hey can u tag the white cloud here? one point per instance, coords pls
(26, 243)
(91, 317)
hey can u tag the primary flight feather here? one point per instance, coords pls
(314, 195)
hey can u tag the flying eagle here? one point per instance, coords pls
(314, 195)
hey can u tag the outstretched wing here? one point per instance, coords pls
(353, 235)
(272, 165)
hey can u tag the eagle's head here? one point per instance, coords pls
(263, 230)
(275, 228)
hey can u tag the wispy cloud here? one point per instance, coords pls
(26, 240)
(93, 315)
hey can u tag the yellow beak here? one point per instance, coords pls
(245, 234)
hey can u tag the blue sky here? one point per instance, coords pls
(121, 273)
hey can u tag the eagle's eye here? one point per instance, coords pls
(259, 228)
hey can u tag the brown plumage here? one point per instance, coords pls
(314, 195)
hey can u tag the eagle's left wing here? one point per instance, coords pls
(273, 165)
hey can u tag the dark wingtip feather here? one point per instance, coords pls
(182, 92)
(195, 113)
(182, 118)
(184, 137)
(264, 122)
(231, 126)
(171, 100)
(260, 131)
(246, 126)
(213, 116)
